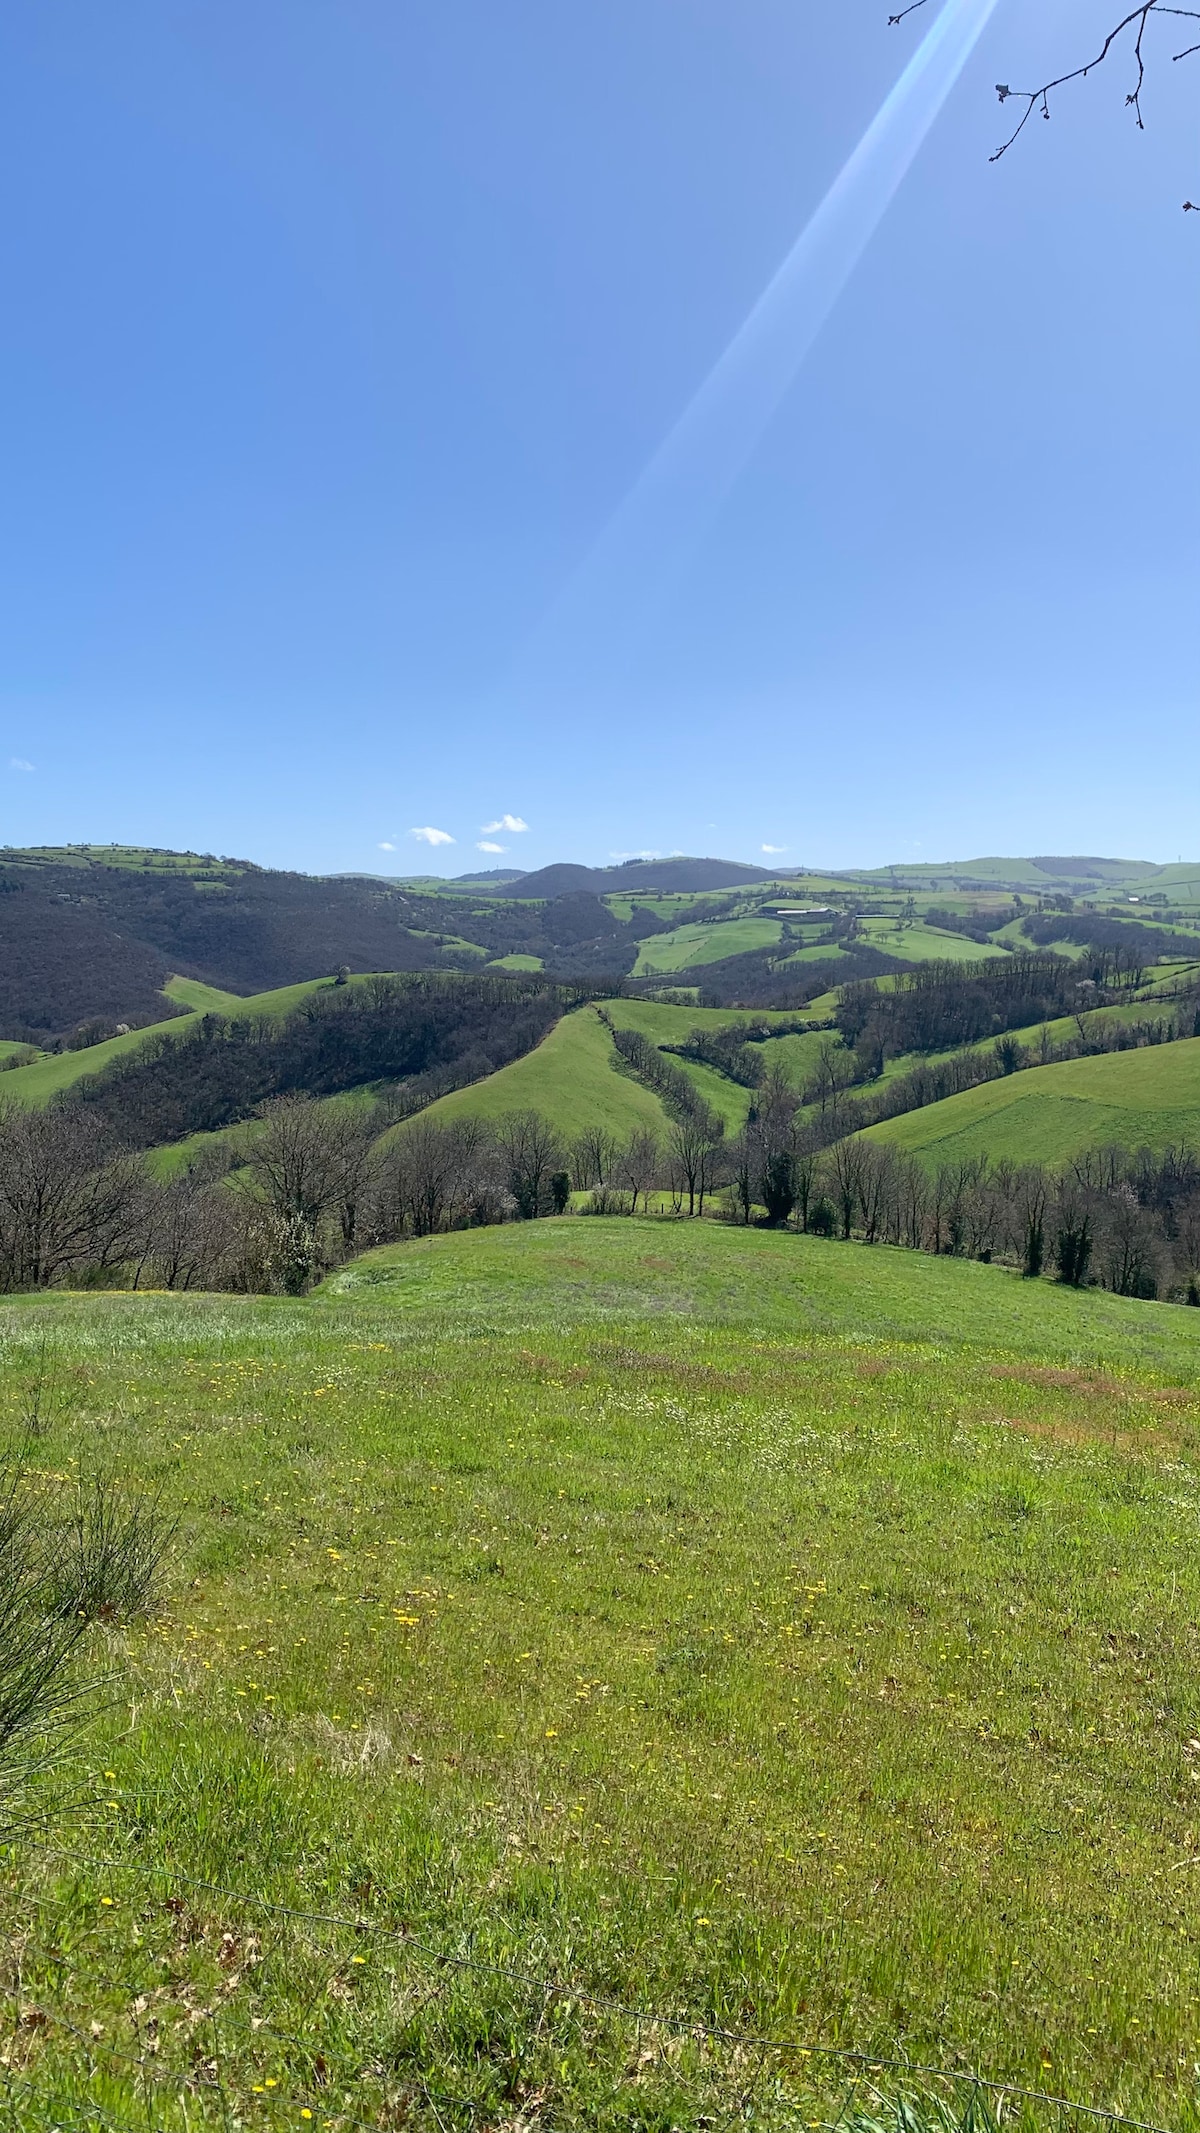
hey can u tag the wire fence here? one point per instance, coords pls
(513, 2053)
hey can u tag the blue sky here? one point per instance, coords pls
(337, 332)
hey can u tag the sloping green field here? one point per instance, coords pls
(571, 1077)
(919, 943)
(753, 1634)
(34, 1085)
(688, 947)
(1050, 1114)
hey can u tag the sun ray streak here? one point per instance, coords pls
(656, 529)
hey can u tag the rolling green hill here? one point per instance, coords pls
(35, 1084)
(574, 1079)
(1050, 1114)
(89, 934)
(689, 947)
(571, 1077)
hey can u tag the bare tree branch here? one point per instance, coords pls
(1039, 99)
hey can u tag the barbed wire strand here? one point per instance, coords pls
(682, 2025)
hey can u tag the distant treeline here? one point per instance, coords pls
(762, 978)
(941, 1005)
(1118, 950)
(429, 1033)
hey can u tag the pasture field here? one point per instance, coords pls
(923, 944)
(130, 858)
(815, 954)
(665, 1023)
(35, 1084)
(785, 1637)
(688, 947)
(571, 1077)
(1149, 1097)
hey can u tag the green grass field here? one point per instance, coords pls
(923, 944)
(130, 858)
(788, 1637)
(1049, 1114)
(816, 954)
(688, 947)
(571, 1077)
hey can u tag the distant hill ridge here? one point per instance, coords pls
(680, 876)
(89, 934)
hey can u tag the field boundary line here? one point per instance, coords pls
(555, 1988)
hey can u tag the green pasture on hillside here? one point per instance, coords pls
(1049, 1114)
(923, 944)
(763, 1635)
(572, 1077)
(663, 1022)
(130, 858)
(206, 999)
(687, 947)
(34, 1085)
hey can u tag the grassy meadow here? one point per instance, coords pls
(1049, 1114)
(571, 1077)
(919, 943)
(575, 1079)
(757, 1633)
(688, 947)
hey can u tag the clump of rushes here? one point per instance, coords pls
(58, 1574)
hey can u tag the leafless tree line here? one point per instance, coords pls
(303, 1188)
(315, 1183)
(1129, 1222)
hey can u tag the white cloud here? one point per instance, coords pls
(431, 836)
(486, 847)
(17, 762)
(386, 847)
(621, 857)
(506, 822)
(774, 847)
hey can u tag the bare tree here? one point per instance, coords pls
(694, 1146)
(636, 1166)
(1128, 35)
(592, 1157)
(848, 1161)
(195, 1227)
(531, 1151)
(290, 1159)
(309, 1167)
(66, 1205)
